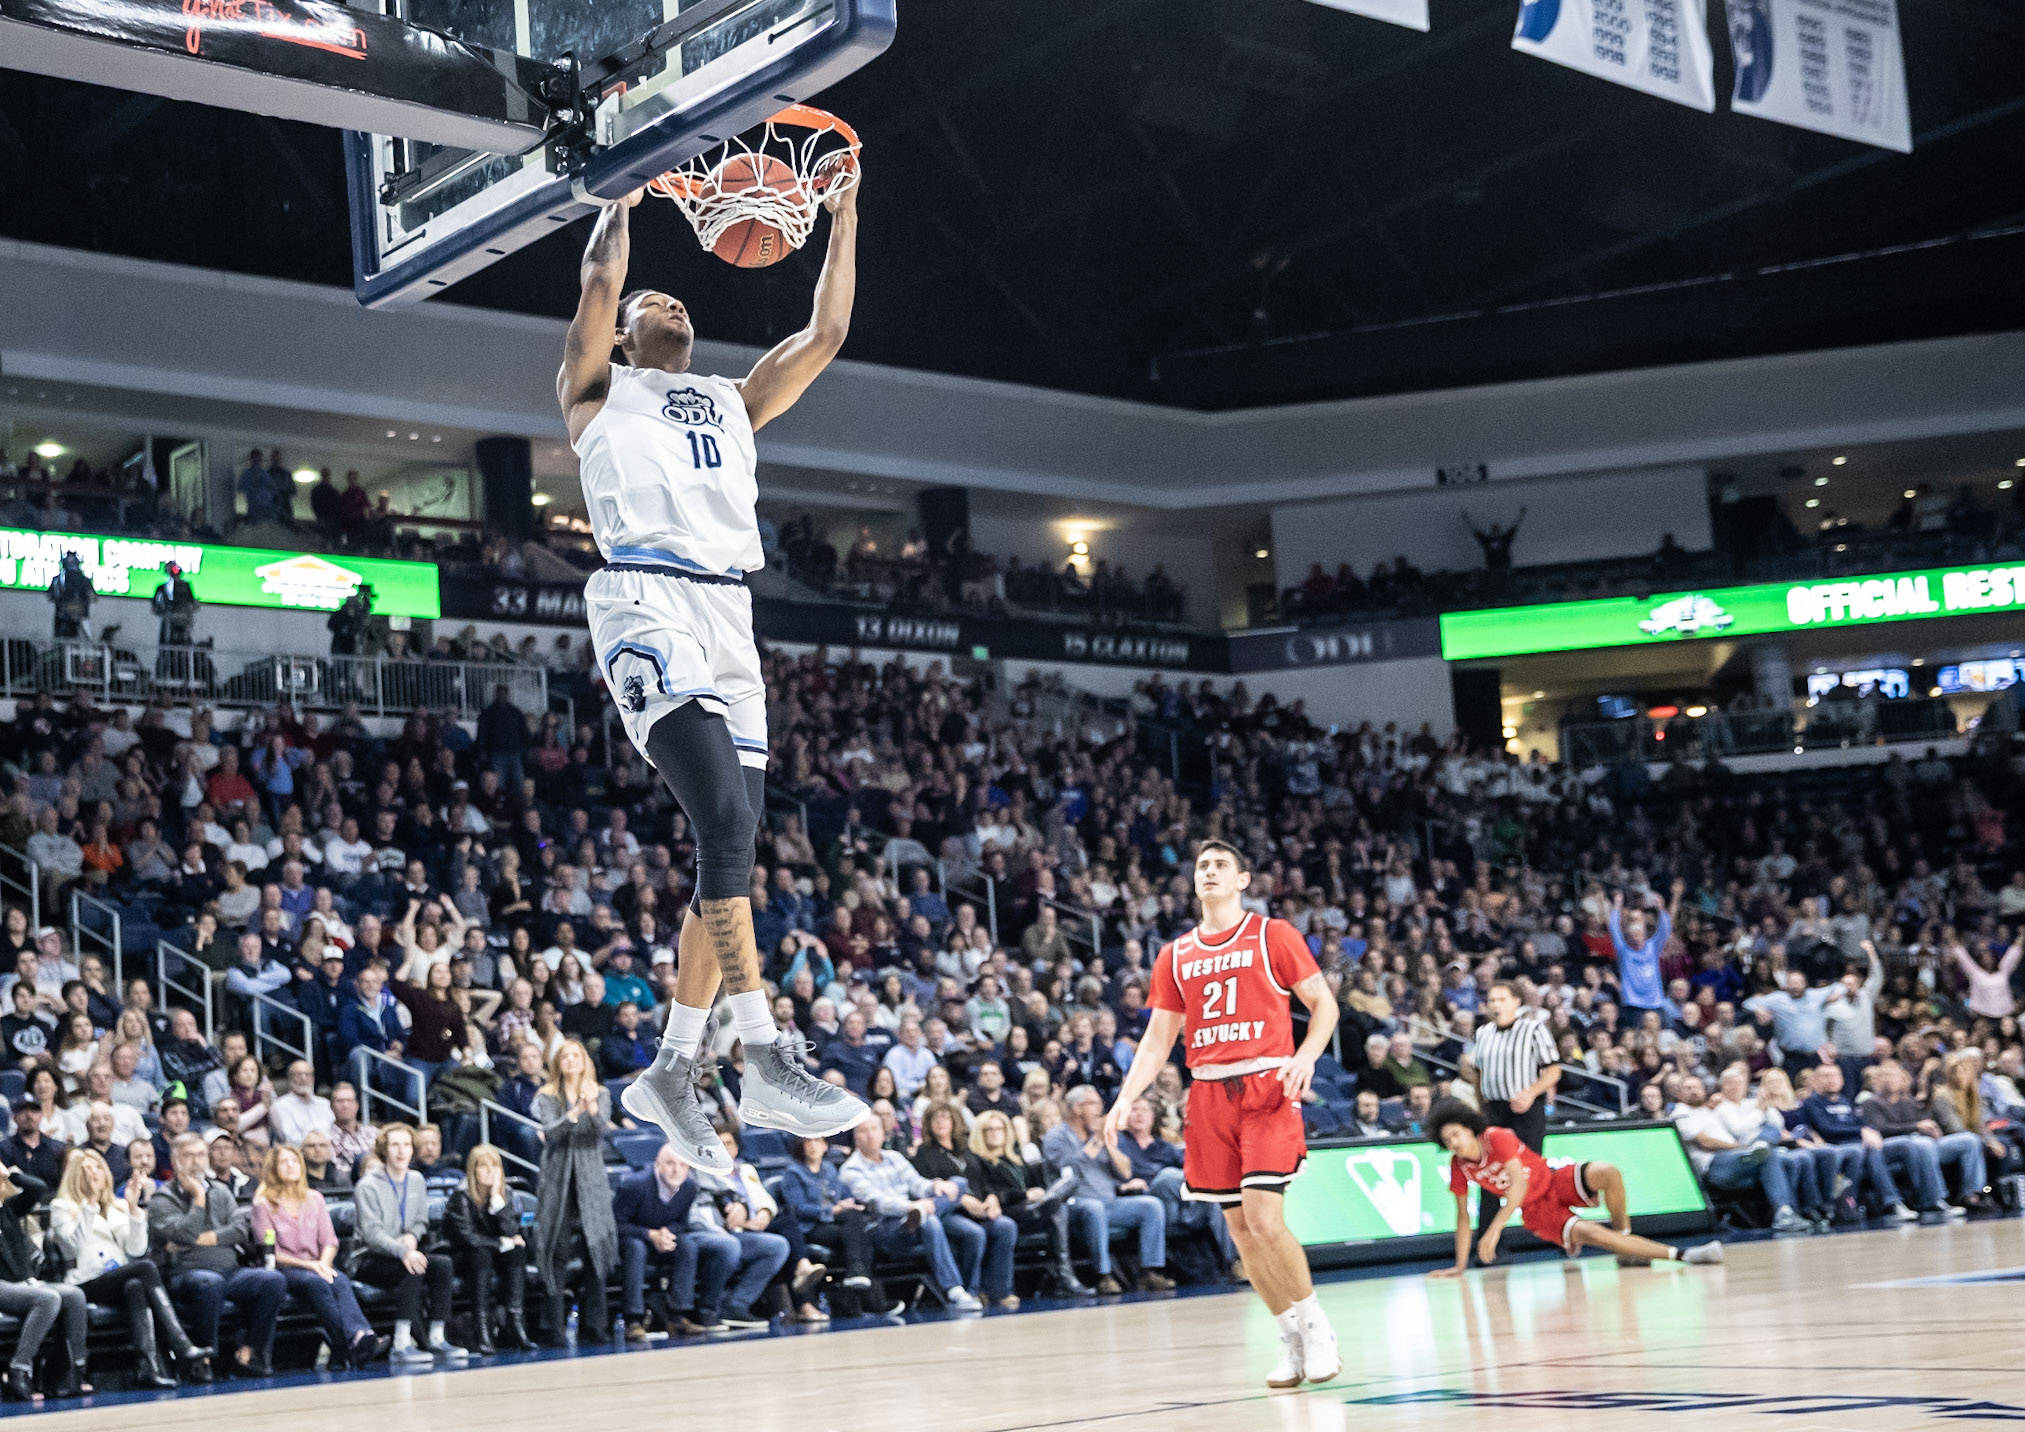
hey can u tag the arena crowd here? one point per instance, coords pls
(437, 954)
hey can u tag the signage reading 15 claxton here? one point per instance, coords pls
(1731, 611)
(226, 576)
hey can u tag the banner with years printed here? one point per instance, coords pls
(1658, 46)
(1410, 13)
(1835, 66)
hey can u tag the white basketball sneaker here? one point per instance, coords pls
(1292, 1366)
(1323, 1362)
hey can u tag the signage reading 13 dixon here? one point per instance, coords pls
(1731, 611)
(225, 576)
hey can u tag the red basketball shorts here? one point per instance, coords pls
(1242, 1133)
(1549, 1211)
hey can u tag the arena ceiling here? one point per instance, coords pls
(1220, 205)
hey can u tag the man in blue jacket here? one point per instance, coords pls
(1859, 1149)
(368, 1023)
(652, 1211)
(852, 1055)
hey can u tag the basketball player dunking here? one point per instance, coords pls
(668, 471)
(1226, 985)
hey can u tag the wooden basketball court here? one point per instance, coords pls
(1802, 1336)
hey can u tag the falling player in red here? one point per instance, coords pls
(1543, 1196)
(1225, 985)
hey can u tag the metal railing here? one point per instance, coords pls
(488, 1110)
(179, 972)
(971, 884)
(267, 1013)
(115, 672)
(101, 930)
(21, 879)
(1823, 726)
(369, 1089)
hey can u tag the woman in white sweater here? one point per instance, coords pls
(103, 1236)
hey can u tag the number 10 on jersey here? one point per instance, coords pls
(703, 450)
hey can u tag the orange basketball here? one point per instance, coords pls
(753, 243)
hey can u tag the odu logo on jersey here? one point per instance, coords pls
(697, 410)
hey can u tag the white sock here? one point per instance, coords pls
(436, 1336)
(1308, 1312)
(404, 1333)
(1290, 1319)
(685, 1029)
(752, 1019)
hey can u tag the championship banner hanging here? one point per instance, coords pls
(1835, 66)
(1658, 46)
(1410, 13)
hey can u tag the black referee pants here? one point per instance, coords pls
(1531, 1127)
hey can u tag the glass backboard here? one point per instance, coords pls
(424, 216)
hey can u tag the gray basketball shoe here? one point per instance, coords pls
(780, 1093)
(667, 1096)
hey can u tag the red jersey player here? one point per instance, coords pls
(1225, 986)
(1543, 1196)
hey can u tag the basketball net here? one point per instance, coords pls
(821, 155)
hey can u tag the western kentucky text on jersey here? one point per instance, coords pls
(1231, 988)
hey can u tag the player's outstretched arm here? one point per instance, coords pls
(1462, 1238)
(779, 379)
(1162, 1029)
(586, 374)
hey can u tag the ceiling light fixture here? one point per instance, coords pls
(1813, 502)
(541, 499)
(1840, 461)
(51, 450)
(1821, 482)
(306, 475)
(1264, 553)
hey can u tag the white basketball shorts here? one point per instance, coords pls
(663, 639)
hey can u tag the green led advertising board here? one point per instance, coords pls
(1370, 1192)
(1732, 611)
(221, 576)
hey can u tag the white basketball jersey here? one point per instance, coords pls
(669, 473)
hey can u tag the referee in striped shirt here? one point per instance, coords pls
(1514, 1065)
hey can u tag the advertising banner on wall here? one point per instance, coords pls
(220, 575)
(1376, 1192)
(1410, 13)
(1835, 66)
(1732, 611)
(1658, 46)
(1298, 648)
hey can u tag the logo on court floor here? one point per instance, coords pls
(695, 409)
(636, 694)
(1788, 1405)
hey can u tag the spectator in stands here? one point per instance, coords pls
(319, 1164)
(573, 1215)
(199, 1232)
(392, 1204)
(651, 1210)
(1723, 1161)
(1021, 1191)
(38, 1304)
(831, 1219)
(29, 1149)
(351, 1139)
(292, 1115)
(943, 1156)
(1859, 1148)
(749, 1213)
(1916, 1148)
(906, 1206)
(103, 1236)
(483, 1226)
(1100, 1207)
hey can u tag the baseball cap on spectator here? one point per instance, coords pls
(23, 1102)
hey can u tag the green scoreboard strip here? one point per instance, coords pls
(1731, 611)
(224, 576)
(1373, 1200)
